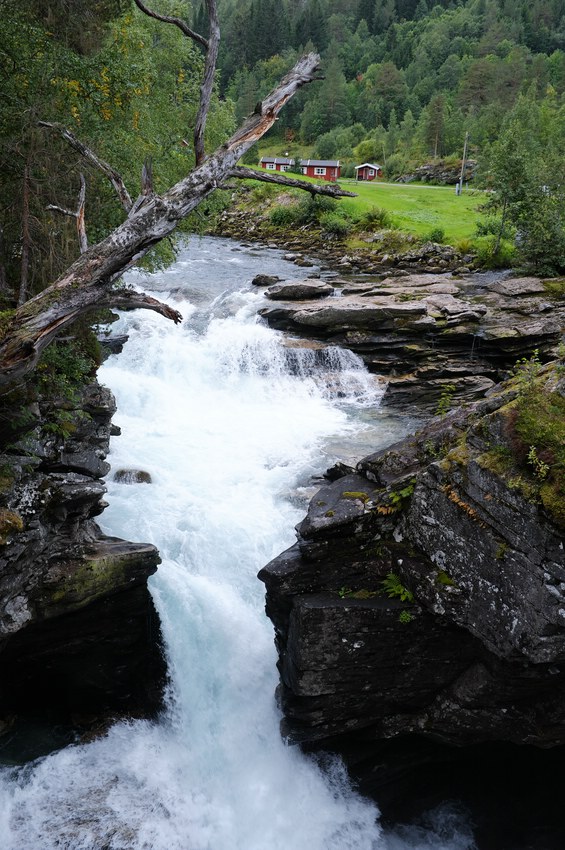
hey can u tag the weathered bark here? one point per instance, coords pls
(90, 280)
(81, 225)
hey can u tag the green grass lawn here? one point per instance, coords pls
(416, 207)
(419, 208)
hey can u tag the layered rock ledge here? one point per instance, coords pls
(421, 614)
(79, 636)
(427, 334)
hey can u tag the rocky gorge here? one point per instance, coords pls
(79, 637)
(418, 618)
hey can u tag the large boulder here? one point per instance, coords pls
(299, 290)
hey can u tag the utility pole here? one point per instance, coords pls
(459, 187)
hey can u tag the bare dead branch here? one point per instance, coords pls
(62, 210)
(129, 299)
(207, 81)
(211, 45)
(106, 169)
(177, 22)
(147, 177)
(81, 224)
(88, 281)
(77, 214)
(333, 190)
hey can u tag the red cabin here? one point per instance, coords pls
(323, 169)
(273, 163)
(368, 171)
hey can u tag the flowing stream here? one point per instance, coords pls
(231, 425)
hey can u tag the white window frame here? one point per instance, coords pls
(285, 167)
(319, 171)
(270, 166)
(304, 169)
(371, 172)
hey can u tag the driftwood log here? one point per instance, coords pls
(93, 280)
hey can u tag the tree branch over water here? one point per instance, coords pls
(91, 280)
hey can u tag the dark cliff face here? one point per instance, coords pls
(79, 636)
(420, 617)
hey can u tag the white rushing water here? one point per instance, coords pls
(230, 426)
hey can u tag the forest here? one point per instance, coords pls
(404, 81)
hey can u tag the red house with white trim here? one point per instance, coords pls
(368, 171)
(274, 163)
(323, 169)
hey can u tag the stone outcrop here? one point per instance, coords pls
(421, 613)
(79, 637)
(441, 173)
(432, 334)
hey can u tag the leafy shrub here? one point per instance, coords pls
(311, 208)
(335, 224)
(490, 226)
(393, 241)
(284, 216)
(437, 234)
(396, 164)
(376, 217)
(66, 366)
(263, 192)
(490, 257)
(465, 245)
(537, 435)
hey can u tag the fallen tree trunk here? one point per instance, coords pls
(92, 280)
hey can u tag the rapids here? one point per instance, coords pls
(231, 425)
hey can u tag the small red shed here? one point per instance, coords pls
(273, 163)
(323, 169)
(368, 171)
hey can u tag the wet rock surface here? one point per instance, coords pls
(454, 685)
(79, 637)
(432, 334)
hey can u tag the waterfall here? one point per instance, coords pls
(230, 423)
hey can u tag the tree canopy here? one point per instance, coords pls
(120, 115)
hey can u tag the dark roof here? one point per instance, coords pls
(332, 163)
(277, 160)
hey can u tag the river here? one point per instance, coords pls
(232, 426)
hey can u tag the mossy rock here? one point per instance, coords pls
(10, 523)
(78, 583)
